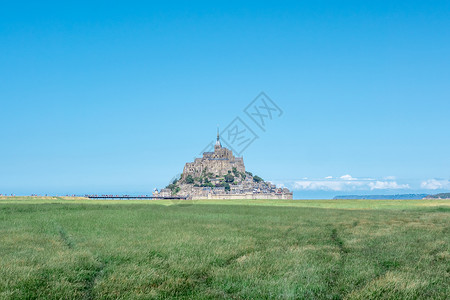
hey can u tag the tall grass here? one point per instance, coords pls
(109, 250)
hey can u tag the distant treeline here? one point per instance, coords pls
(439, 196)
(384, 197)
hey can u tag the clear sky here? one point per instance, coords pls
(114, 97)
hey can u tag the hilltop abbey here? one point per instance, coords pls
(221, 175)
(218, 162)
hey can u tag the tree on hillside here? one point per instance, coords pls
(174, 188)
(229, 178)
(256, 178)
(189, 179)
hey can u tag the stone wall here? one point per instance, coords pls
(246, 196)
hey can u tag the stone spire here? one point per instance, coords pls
(218, 145)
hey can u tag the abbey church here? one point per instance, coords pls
(218, 162)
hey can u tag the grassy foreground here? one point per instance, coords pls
(58, 248)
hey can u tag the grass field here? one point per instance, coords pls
(69, 248)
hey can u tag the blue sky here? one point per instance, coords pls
(114, 97)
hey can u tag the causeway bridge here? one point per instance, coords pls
(128, 197)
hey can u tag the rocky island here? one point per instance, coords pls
(221, 175)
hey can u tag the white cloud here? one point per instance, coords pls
(347, 177)
(435, 184)
(387, 185)
(348, 183)
(326, 185)
(345, 183)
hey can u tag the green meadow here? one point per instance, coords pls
(76, 248)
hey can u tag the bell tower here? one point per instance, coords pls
(217, 146)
